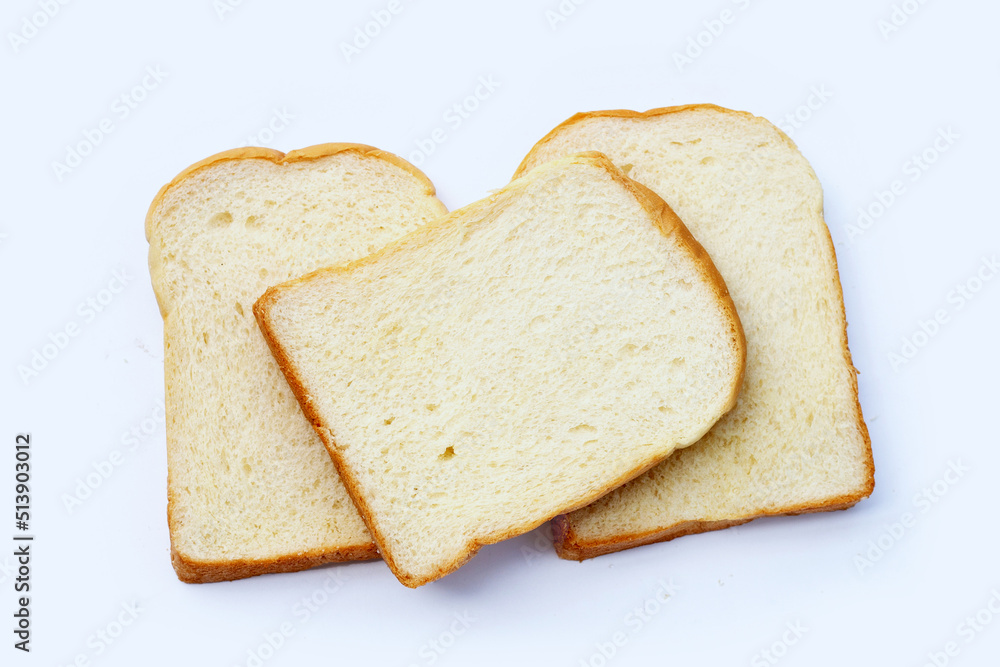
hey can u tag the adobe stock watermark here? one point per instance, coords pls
(923, 502)
(912, 171)
(561, 13)
(454, 117)
(816, 100)
(899, 16)
(634, 622)
(543, 539)
(772, 655)
(432, 650)
(365, 33)
(8, 569)
(102, 470)
(100, 641)
(32, 24)
(87, 311)
(971, 627)
(225, 7)
(739, 174)
(279, 121)
(712, 31)
(956, 300)
(303, 611)
(121, 109)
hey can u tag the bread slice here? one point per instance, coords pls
(251, 488)
(796, 442)
(511, 361)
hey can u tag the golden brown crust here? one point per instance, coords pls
(570, 547)
(667, 222)
(620, 113)
(567, 544)
(192, 570)
(277, 157)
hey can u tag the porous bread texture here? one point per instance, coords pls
(251, 489)
(796, 441)
(513, 360)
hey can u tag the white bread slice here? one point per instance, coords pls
(796, 442)
(511, 361)
(251, 488)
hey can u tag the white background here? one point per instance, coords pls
(736, 589)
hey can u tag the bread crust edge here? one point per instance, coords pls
(277, 157)
(569, 547)
(196, 571)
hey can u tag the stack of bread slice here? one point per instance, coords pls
(423, 384)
